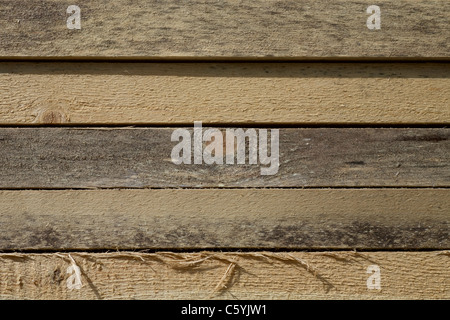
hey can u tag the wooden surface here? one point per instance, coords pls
(141, 157)
(226, 29)
(370, 174)
(247, 218)
(213, 275)
(266, 93)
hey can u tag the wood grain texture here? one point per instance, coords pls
(141, 157)
(215, 29)
(211, 218)
(158, 93)
(233, 275)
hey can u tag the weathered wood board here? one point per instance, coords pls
(266, 93)
(315, 70)
(232, 275)
(225, 29)
(211, 218)
(141, 157)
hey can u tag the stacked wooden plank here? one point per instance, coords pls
(93, 205)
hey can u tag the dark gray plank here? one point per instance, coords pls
(141, 157)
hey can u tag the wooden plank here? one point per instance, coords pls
(215, 29)
(141, 157)
(157, 93)
(232, 275)
(230, 218)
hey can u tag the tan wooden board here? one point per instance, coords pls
(223, 29)
(232, 275)
(230, 218)
(180, 93)
(140, 157)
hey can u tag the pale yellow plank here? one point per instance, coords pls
(152, 93)
(213, 275)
